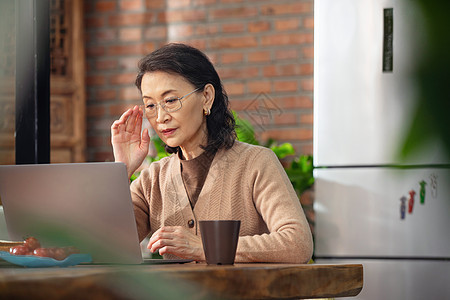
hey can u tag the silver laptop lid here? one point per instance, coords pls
(86, 205)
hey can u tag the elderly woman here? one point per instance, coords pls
(210, 175)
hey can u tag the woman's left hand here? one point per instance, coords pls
(178, 241)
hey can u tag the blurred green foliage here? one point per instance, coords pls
(299, 171)
(432, 74)
(159, 148)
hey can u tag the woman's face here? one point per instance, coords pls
(185, 127)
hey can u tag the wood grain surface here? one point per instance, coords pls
(189, 281)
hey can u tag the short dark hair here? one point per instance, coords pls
(195, 67)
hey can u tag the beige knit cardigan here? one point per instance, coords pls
(244, 183)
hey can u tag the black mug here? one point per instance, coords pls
(220, 238)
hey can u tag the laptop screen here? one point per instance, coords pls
(86, 205)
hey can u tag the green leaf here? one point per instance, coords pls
(283, 150)
(244, 130)
(134, 176)
(270, 143)
(306, 163)
(300, 173)
(159, 147)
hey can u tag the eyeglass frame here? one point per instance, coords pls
(162, 105)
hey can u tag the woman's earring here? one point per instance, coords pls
(207, 112)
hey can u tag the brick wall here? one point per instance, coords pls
(263, 51)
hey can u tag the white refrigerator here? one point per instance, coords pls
(390, 214)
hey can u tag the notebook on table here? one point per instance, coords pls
(86, 205)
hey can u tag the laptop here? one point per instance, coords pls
(86, 205)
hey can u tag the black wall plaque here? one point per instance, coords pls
(32, 81)
(388, 38)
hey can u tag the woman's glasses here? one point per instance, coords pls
(169, 105)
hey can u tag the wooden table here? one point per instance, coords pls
(181, 281)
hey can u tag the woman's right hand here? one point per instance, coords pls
(129, 146)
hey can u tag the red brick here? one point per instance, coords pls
(130, 5)
(155, 32)
(283, 9)
(236, 12)
(182, 16)
(238, 73)
(310, 215)
(103, 124)
(262, 99)
(234, 88)
(295, 102)
(148, 47)
(98, 141)
(286, 119)
(270, 71)
(307, 198)
(94, 22)
(178, 4)
(130, 93)
(155, 4)
(213, 57)
(105, 6)
(104, 35)
(92, 80)
(95, 51)
(123, 78)
(196, 43)
(286, 54)
(105, 95)
(289, 24)
(258, 26)
(103, 156)
(307, 119)
(233, 42)
(285, 86)
(128, 63)
(228, 58)
(107, 64)
(259, 56)
(95, 111)
(288, 134)
(259, 86)
(180, 30)
(279, 44)
(287, 39)
(288, 70)
(206, 29)
(239, 105)
(126, 49)
(307, 84)
(130, 19)
(308, 52)
(203, 2)
(130, 34)
(308, 23)
(88, 7)
(307, 149)
(119, 109)
(233, 27)
(231, 1)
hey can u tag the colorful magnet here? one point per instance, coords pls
(411, 201)
(422, 191)
(402, 207)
